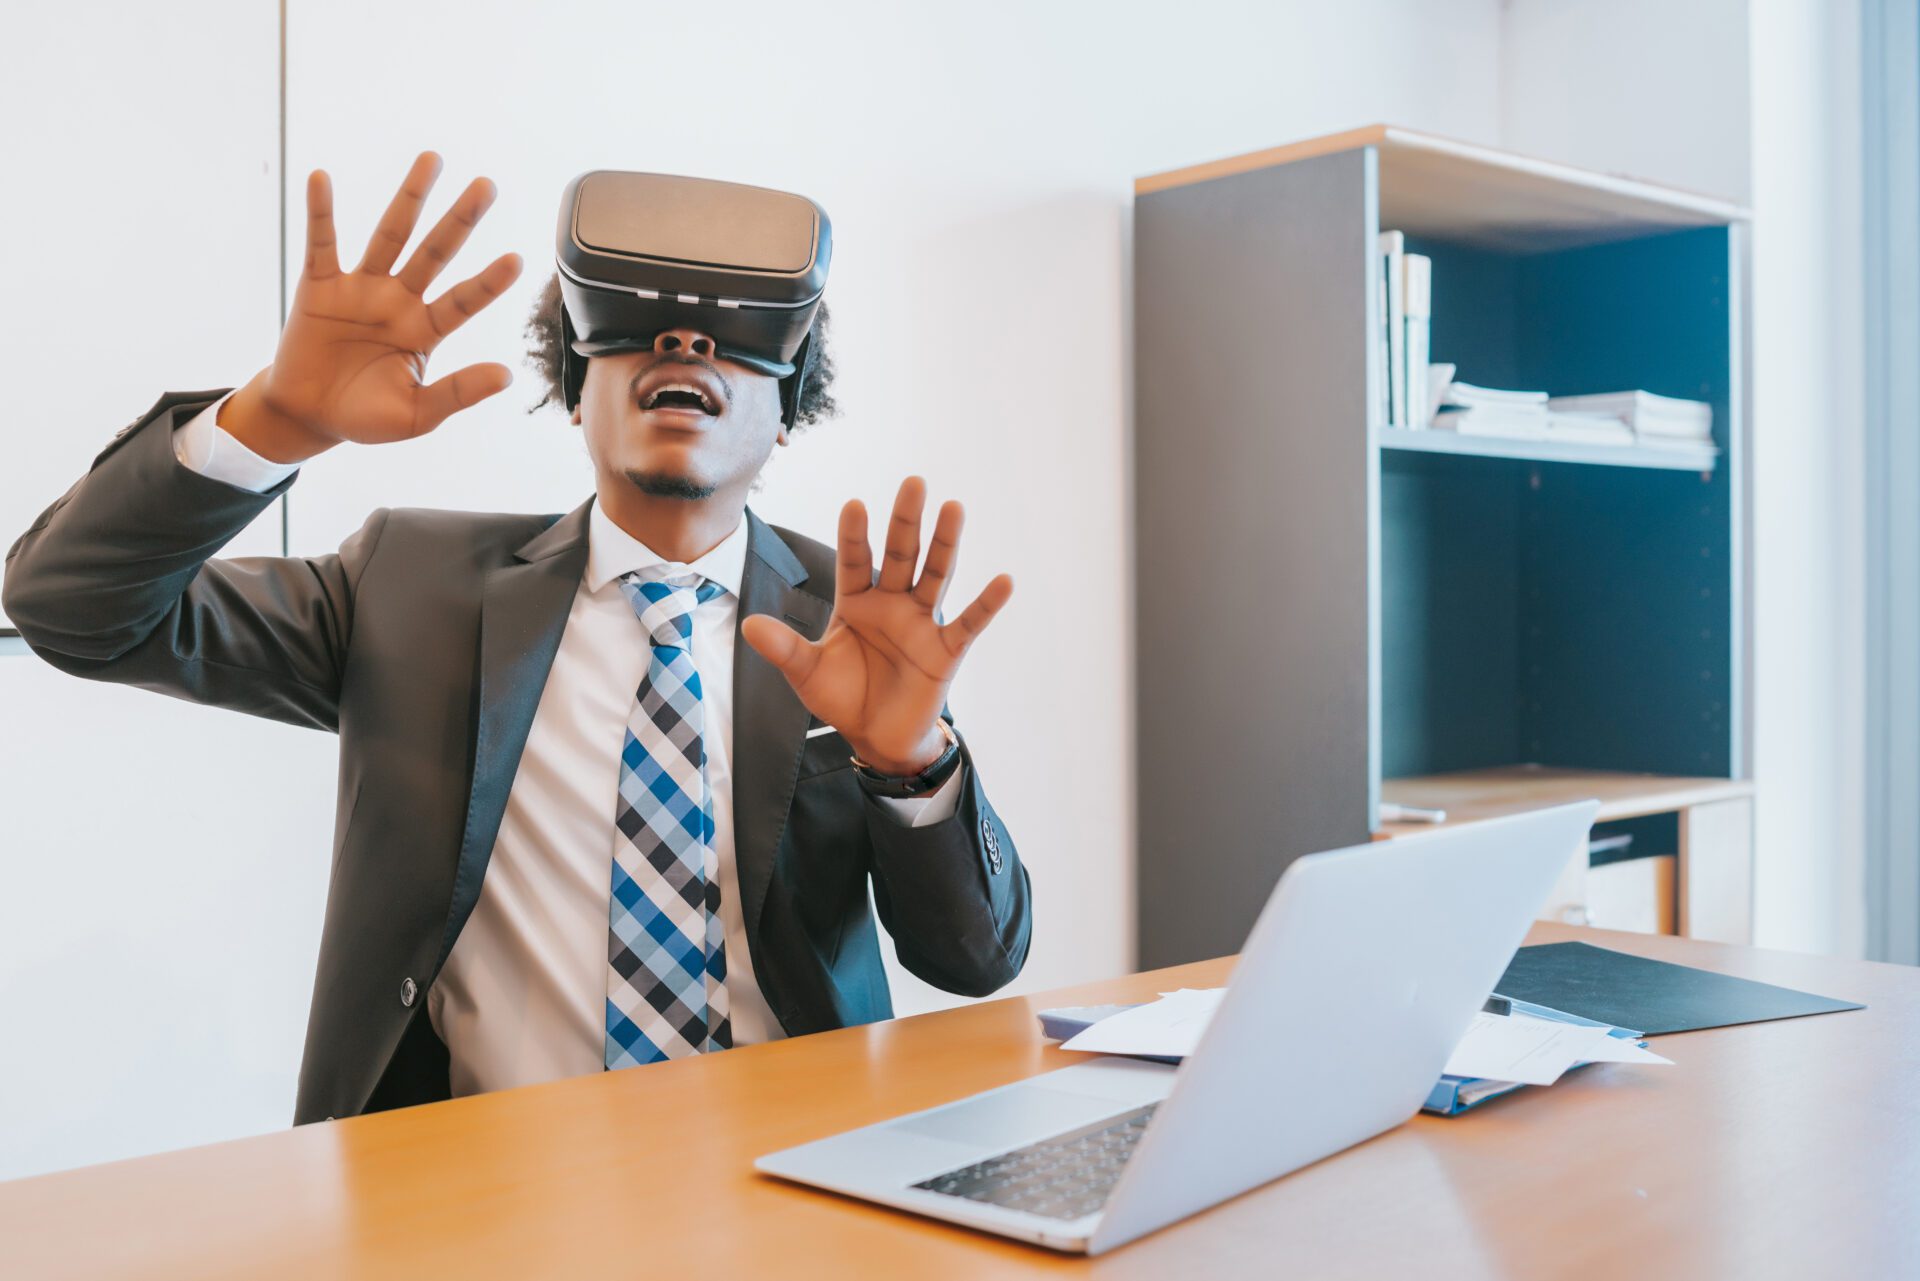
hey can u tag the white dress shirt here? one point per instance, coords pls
(522, 997)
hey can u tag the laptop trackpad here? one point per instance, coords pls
(1010, 1118)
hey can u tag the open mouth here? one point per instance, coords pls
(680, 396)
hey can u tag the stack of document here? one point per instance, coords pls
(1655, 421)
(1467, 396)
(1528, 1050)
(1529, 1045)
(1524, 415)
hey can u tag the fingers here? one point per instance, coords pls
(323, 259)
(903, 536)
(966, 629)
(793, 654)
(460, 389)
(938, 571)
(465, 300)
(855, 561)
(451, 232)
(396, 224)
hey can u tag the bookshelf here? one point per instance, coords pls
(1331, 612)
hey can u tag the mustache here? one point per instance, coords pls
(682, 358)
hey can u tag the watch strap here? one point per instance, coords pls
(905, 786)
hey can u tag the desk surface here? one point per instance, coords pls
(1776, 1149)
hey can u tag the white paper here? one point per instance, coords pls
(1168, 1028)
(1518, 1047)
(1536, 1051)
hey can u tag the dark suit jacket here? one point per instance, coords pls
(425, 643)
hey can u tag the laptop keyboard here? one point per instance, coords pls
(1063, 1177)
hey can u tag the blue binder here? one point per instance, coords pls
(1450, 1096)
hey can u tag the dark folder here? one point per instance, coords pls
(1651, 996)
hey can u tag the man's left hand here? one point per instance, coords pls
(879, 673)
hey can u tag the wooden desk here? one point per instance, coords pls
(1787, 1149)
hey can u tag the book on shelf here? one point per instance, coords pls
(1392, 251)
(1419, 322)
(1406, 311)
(1384, 382)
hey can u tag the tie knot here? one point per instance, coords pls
(663, 598)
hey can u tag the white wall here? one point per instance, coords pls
(1654, 89)
(1809, 450)
(161, 866)
(165, 866)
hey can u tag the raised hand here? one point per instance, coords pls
(352, 359)
(879, 673)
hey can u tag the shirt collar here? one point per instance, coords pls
(613, 552)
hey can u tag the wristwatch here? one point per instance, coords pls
(902, 786)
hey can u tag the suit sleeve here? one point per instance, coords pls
(117, 582)
(953, 894)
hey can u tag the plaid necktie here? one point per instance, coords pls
(666, 947)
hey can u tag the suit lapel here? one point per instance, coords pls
(769, 720)
(523, 611)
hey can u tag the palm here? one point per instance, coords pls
(355, 350)
(882, 666)
(880, 672)
(352, 359)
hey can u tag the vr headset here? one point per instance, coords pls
(639, 253)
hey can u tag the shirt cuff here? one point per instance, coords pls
(937, 806)
(206, 447)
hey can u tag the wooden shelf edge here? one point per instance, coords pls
(1699, 203)
(1265, 158)
(1389, 137)
(1471, 796)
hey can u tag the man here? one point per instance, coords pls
(579, 825)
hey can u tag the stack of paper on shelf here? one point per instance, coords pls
(1468, 396)
(1655, 421)
(1524, 415)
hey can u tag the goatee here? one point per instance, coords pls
(661, 485)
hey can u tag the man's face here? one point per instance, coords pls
(677, 421)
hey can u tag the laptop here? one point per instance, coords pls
(1360, 976)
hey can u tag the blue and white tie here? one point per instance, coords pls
(666, 947)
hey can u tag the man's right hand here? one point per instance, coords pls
(352, 359)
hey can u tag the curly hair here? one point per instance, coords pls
(543, 352)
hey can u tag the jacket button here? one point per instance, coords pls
(407, 992)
